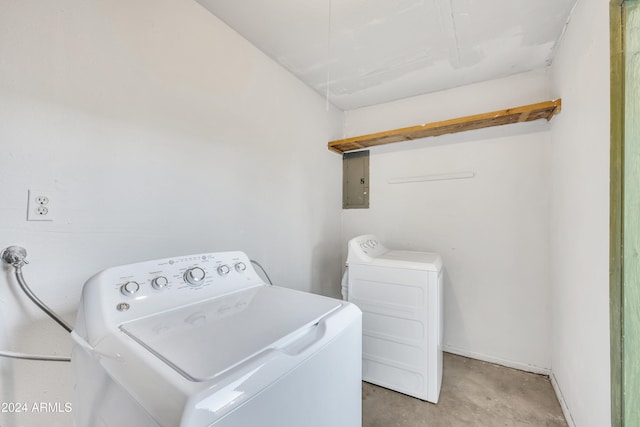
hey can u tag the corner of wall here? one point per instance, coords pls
(560, 397)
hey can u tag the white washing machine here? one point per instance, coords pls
(400, 295)
(201, 340)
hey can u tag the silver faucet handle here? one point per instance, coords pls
(15, 255)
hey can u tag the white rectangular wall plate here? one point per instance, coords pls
(40, 205)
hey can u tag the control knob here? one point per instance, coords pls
(223, 270)
(159, 282)
(194, 276)
(129, 288)
(240, 267)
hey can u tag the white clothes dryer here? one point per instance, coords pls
(201, 340)
(400, 295)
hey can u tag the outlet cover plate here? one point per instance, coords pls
(41, 205)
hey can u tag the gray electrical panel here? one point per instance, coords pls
(355, 180)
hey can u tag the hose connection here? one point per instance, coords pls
(15, 256)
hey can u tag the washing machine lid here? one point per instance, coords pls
(204, 340)
(428, 261)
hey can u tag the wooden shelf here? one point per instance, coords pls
(526, 113)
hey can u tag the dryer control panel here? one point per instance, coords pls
(363, 249)
(125, 293)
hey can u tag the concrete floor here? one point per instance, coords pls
(474, 394)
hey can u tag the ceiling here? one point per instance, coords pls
(365, 52)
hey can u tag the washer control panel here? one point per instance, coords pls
(132, 291)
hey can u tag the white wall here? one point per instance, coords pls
(580, 217)
(160, 132)
(491, 230)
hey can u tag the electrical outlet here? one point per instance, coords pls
(40, 206)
